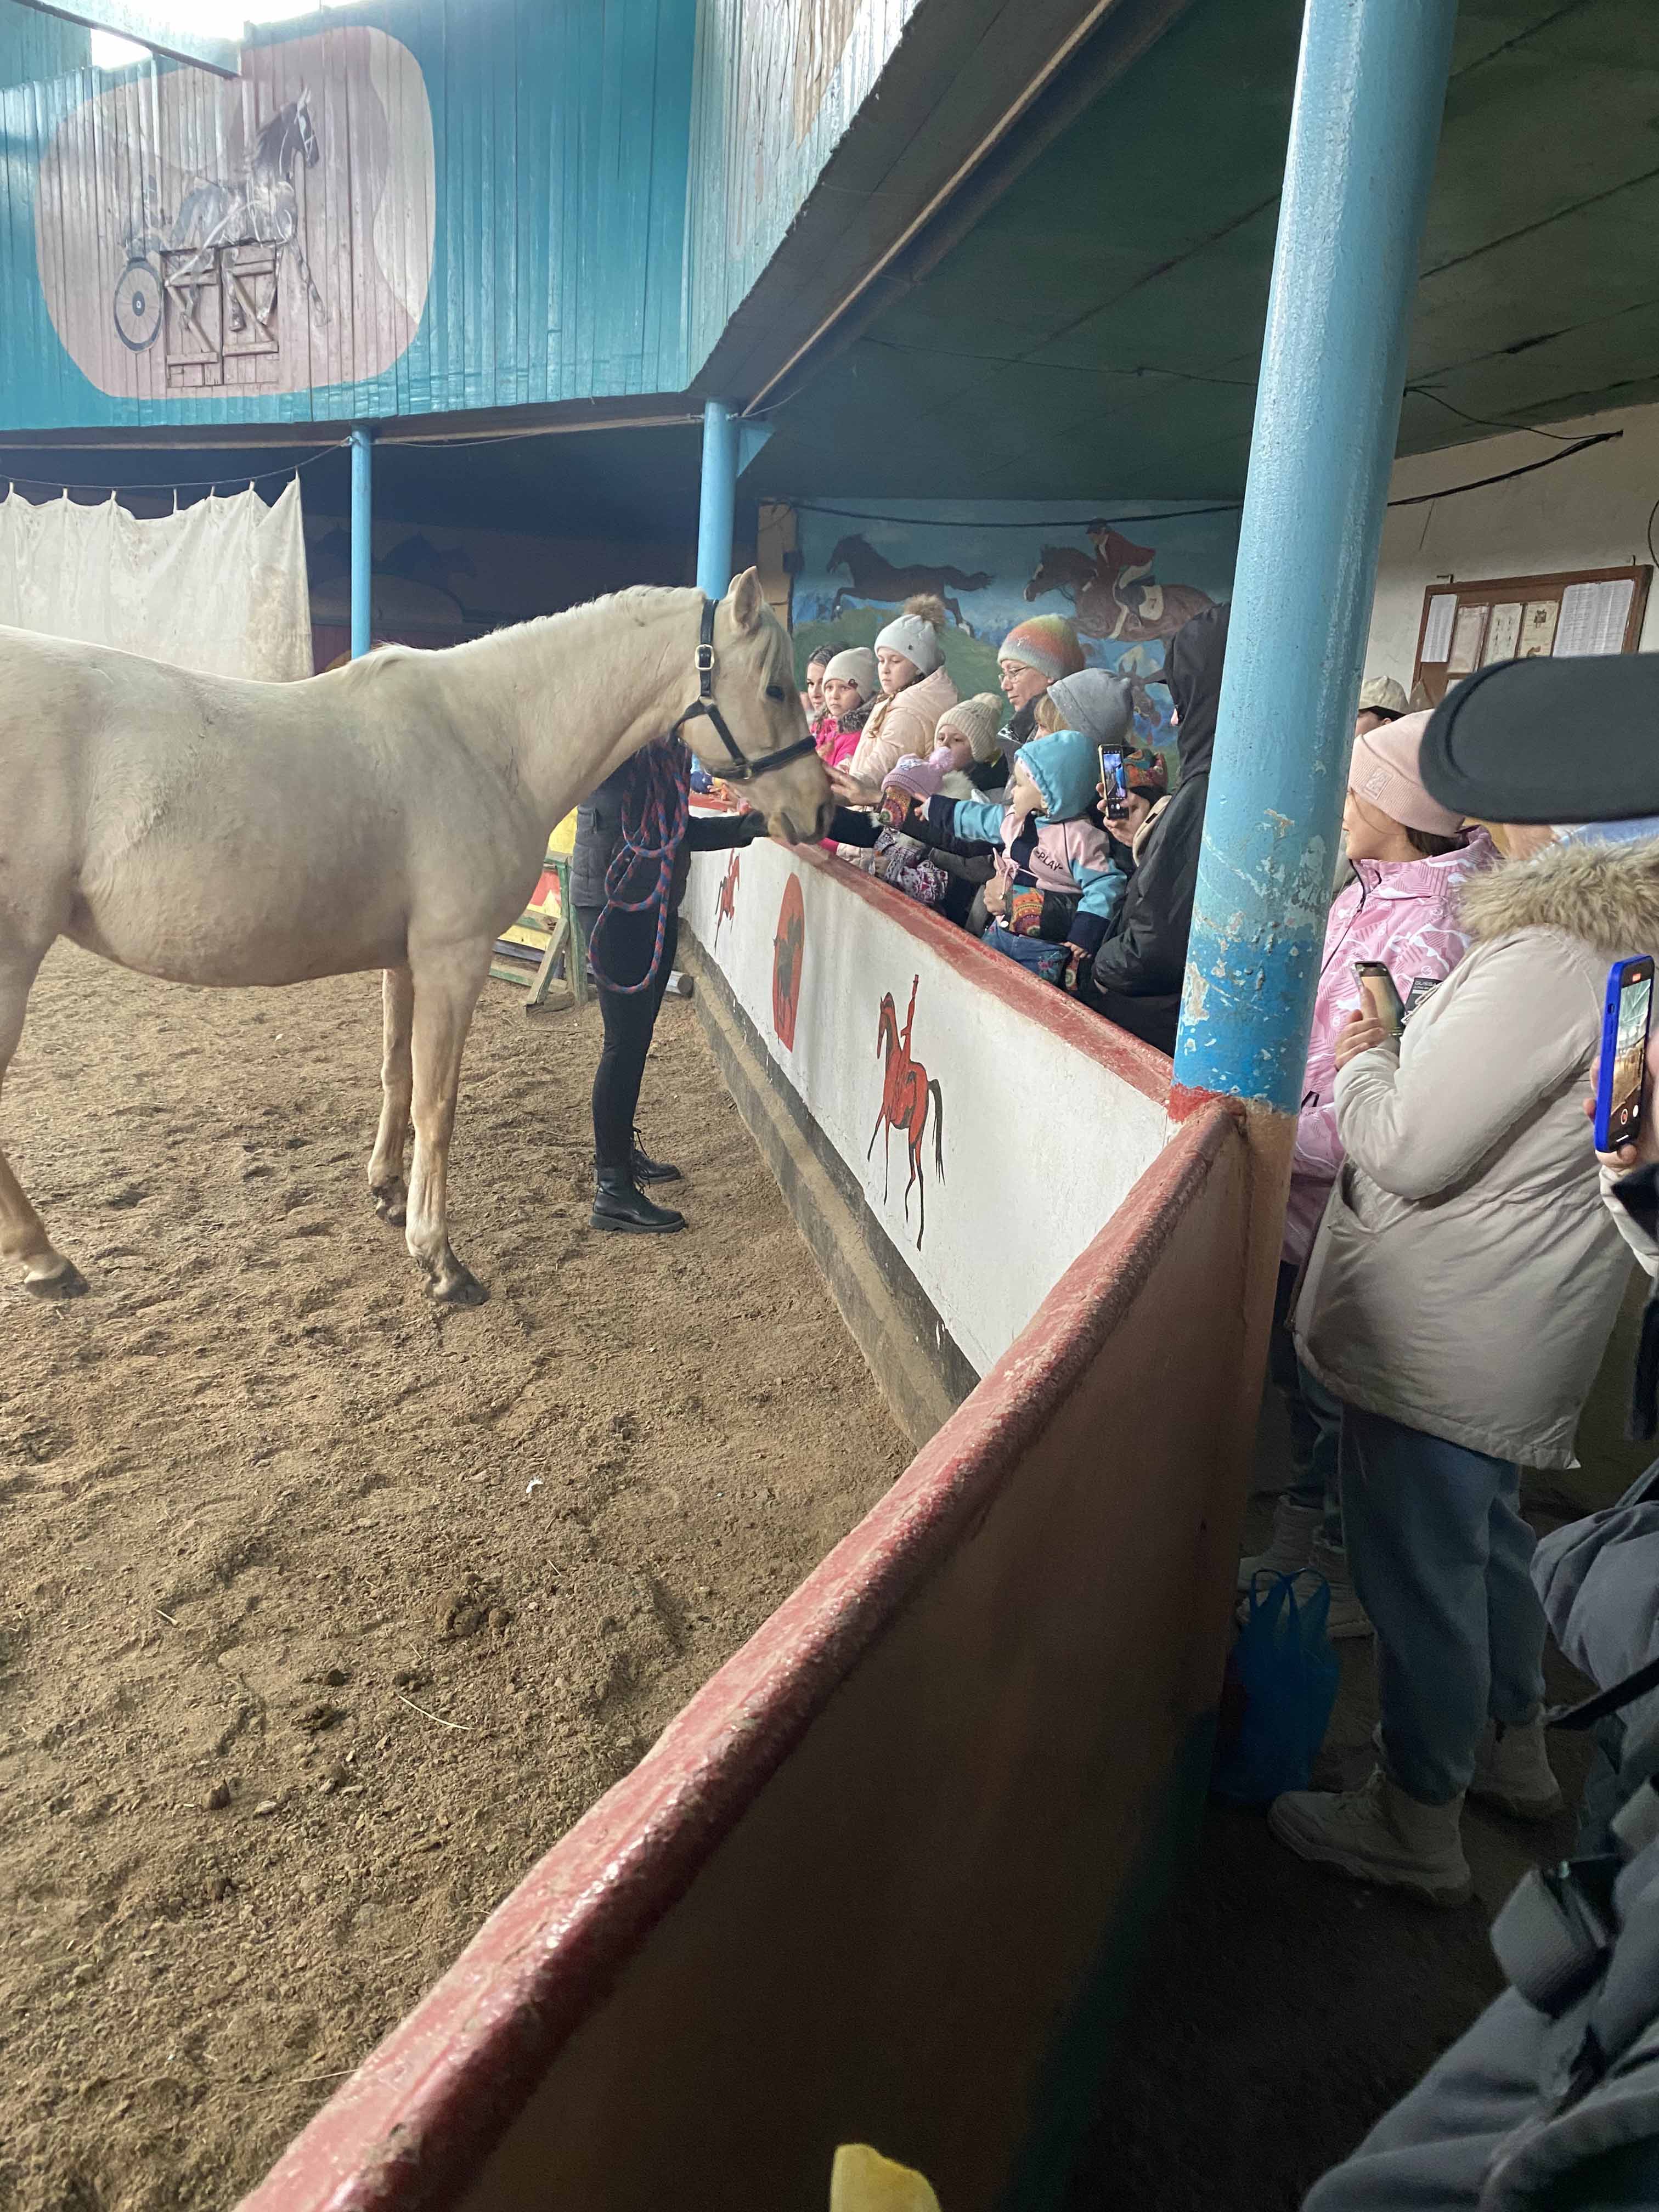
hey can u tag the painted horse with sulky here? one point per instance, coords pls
(393, 814)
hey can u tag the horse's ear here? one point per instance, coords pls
(747, 600)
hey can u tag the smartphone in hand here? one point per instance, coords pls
(1378, 996)
(1114, 782)
(1621, 1100)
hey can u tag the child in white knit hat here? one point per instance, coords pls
(916, 689)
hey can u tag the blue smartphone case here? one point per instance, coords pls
(1616, 974)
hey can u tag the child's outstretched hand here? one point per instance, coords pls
(851, 792)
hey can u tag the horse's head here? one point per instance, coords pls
(754, 690)
(842, 556)
(1057, 570)
(886, 1022)
(305, 130)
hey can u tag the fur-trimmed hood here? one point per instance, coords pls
(1606, 896)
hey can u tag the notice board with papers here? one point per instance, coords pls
(1578, 610)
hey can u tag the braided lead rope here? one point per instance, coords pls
(654, 818)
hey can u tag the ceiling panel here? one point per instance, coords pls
(1142, 240)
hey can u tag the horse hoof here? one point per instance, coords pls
(65, 1282)
(392, 1204)
(460, 1289)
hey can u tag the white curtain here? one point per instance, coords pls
(219, 587)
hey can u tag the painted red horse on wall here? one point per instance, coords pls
(726, 910)
(906, 1094)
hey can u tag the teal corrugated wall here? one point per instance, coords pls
(777, 85)
(559, 135)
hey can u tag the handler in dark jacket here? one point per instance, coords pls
(1135, 977)
(626, 944)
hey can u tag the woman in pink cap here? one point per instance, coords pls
(1410, 859)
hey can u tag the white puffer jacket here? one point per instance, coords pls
(902, 725)
(1466, 1276)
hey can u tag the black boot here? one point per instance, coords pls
(646, 1170)
(619, 1203)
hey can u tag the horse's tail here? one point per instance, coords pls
(938, 1098)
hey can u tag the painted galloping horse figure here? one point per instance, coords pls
(1115, 595)
(262, 206)
(906, 1093)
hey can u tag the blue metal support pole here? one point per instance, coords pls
(362, 539)
(720, 496)
(1370, 86)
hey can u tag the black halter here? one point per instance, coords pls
(743, 769)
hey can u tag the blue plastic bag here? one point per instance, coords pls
(1280, 1686)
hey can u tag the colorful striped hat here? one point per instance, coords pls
(1046, 643)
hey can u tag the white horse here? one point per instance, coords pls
(393, 814)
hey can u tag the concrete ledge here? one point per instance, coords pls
(923, 1372)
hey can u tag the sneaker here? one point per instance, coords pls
(1290, 1546)
(1512, 1771)
(1378, 1834)
(1348, 1619)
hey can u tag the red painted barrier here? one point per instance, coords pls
(857, 1885)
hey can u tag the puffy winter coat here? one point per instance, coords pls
(1404, 913)
(1466, 1276)
(902, 725)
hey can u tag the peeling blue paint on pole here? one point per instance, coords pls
(719, 497)
(1371, 88)
(362, 539)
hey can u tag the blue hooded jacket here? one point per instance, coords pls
(1059, 850)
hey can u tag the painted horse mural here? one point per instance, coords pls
(876, 578)
(1115, 595)
(258, 207)
(727, 908)
(907, 1093)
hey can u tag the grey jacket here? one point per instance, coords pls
(1466, 1276)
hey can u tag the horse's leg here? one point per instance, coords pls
(46, 1273)
(385, 1165)
(447, 981)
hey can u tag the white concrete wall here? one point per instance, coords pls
(1591, 511)
(1049, 1114)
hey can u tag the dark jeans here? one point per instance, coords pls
(622, 955)
(1440, 1558)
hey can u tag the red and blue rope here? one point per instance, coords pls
(654, 818)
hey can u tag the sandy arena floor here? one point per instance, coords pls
(323, 1612)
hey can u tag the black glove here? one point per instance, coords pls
(755, 825)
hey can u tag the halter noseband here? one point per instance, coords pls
(743, 769)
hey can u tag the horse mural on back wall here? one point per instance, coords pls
(876, 579)
(1115, 595)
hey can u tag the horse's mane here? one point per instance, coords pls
(639, 600)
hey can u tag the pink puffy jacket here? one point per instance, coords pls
(1404, 913)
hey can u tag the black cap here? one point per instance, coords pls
(1549, 741)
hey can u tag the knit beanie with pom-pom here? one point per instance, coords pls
(1046, 643)
(978, 720)
(915, 632)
